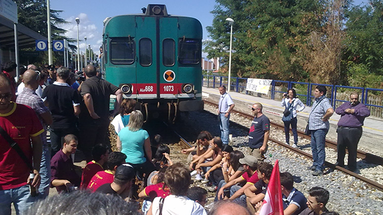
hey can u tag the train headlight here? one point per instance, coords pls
(126, 88)
(187, 88)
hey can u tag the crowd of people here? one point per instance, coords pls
(76, 114)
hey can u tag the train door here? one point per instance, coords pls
(169, 86)
(146, 63)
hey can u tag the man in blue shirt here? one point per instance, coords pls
(320, 113)
(225, 106)
(259, 132)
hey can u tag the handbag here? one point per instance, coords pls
(307, 130)
(288, 113)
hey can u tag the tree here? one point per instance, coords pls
(363, 55)
(33, 14)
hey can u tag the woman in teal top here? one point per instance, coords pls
(132, 141)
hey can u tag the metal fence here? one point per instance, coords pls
(337, 94)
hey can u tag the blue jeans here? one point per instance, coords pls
(241, 199)
(45, 173)
(224, 127)
(220, 184)
(318, 138)
(20, 197)
(293, 124)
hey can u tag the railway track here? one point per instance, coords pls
(368, 157)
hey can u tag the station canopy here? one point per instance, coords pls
(26, 37)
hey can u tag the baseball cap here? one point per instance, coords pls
(125, 172)
(249, 160)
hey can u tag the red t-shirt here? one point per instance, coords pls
(157, 190)
(20, 123)
(89, 171)
(252, 179)
(99, 179)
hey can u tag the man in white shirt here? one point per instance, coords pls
(225, 106)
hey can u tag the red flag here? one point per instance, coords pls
(272, 203)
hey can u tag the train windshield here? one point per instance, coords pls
(122, 51)
(189, 51)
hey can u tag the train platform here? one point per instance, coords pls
(372, 129)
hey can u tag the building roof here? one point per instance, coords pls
(26, 37)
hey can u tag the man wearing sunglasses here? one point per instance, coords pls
(22, 125)
(259, 132)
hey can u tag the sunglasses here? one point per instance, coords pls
(5, 96)
(253, 109)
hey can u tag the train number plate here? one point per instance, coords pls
(170, 88)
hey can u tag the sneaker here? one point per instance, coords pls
(198, 177)
(212, 188)
(193, 173)
(205, 181)
(317, 172)
(295, 145)
(312, 168)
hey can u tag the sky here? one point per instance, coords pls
(93, 12)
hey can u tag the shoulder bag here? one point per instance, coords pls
(288, 113)
(16, 147)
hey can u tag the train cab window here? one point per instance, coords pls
(169, 52)
(122, 51)
(189, 51)
(145, 51)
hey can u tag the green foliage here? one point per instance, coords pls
(361, 76)
(364, 40)
(33, 14)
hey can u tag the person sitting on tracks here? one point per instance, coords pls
(161, 160)
(197, 194)
(209, 158)
(115, 159)
(100, 155)
(250, 177)
(122, 119)
(291, 103)
(217, 172)
(122, 182)
(157, 189)
(294, 201)
(256, 193)
(259, 132)
(178, 179)
(63, 173)
(133, 141)
(316, 201)
(231, 169)
(202, 146)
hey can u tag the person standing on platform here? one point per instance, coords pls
(64, 104)
(225, 106)
(321, 112)
(350, 129)
(291, 102)
(94, 116)
(30, 98)
(259, 132)
(22, 125)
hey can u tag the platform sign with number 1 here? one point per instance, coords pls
(41, 45)
(58, 45)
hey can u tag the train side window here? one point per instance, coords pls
(189, 51)
(122, 51)
(169, 52)
(145, 51)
